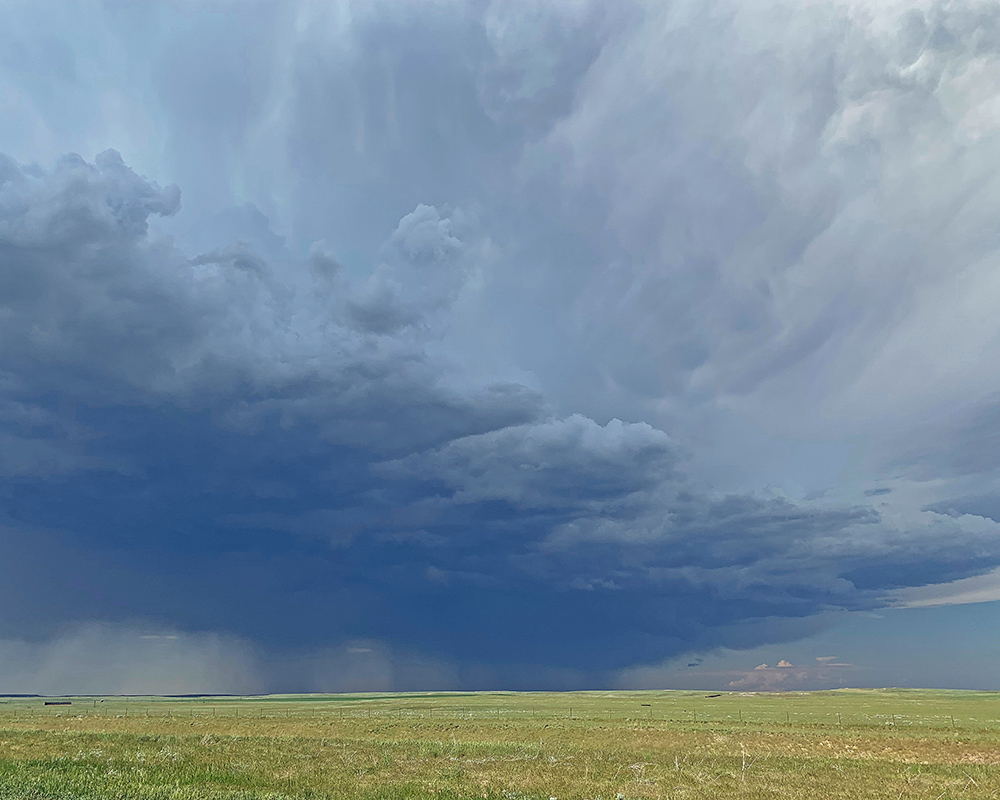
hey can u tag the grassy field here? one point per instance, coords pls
(843, 744)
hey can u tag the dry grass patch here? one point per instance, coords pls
(505, 747)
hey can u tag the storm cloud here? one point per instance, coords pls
(521, 346)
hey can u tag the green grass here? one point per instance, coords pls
(502, 746)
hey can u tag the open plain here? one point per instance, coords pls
(610, 745)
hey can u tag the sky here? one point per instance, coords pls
(476, 345)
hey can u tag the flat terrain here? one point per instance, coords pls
(843, 744)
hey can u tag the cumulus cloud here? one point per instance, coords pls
(569, 461)
(787, 677)
(729, 670)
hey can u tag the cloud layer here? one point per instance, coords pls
(229, 443)
(528, 345)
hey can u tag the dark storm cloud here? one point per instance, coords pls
(550, 235)
(219, 443)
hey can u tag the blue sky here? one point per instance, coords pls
(498, 345)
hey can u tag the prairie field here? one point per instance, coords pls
(505, 746)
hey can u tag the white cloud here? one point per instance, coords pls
(978, 589)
